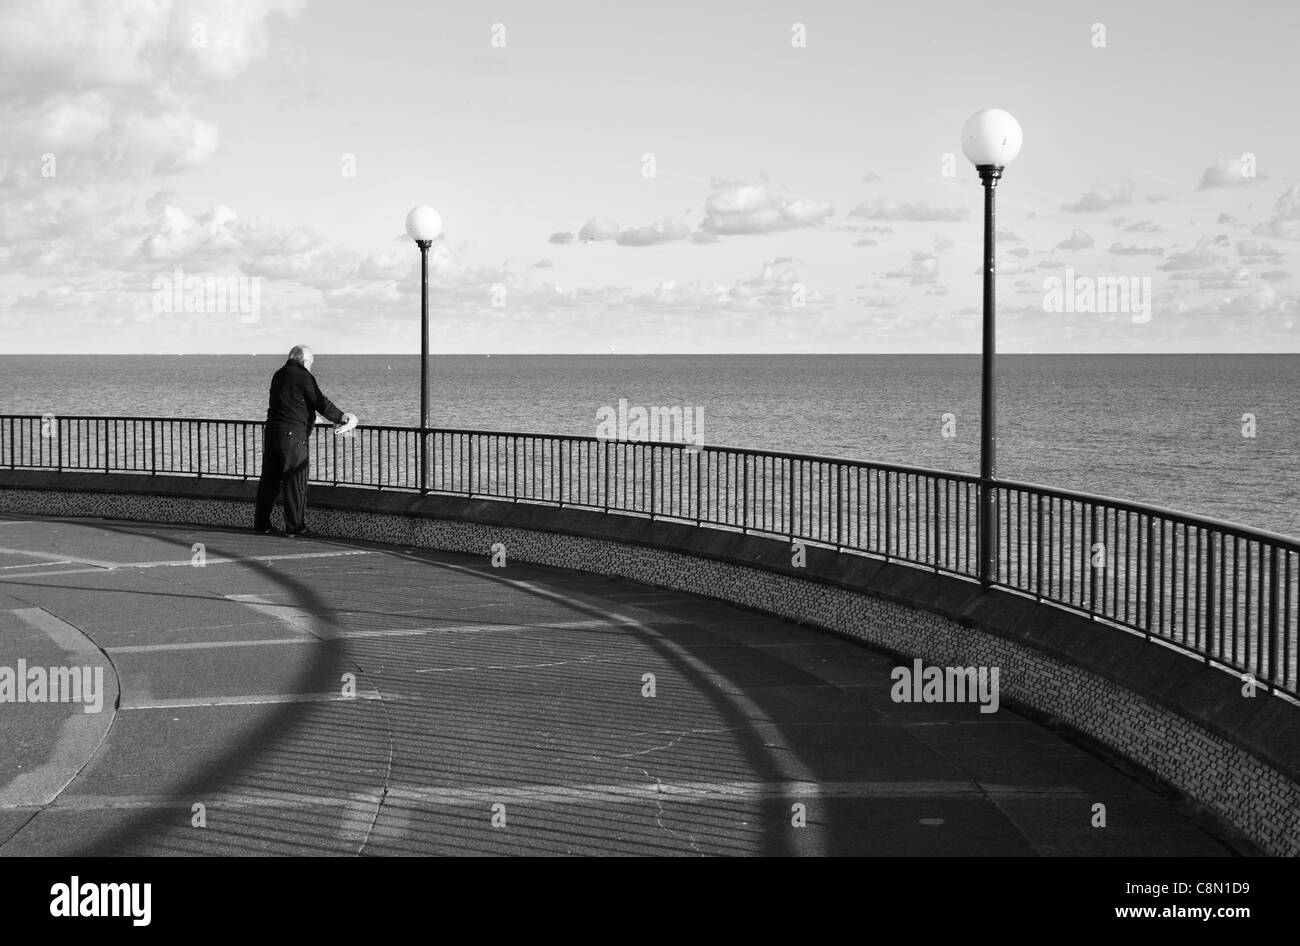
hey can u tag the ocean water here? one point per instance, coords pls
(1162, 429)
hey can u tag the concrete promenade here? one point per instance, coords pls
(491, 711)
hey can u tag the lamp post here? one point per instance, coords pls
(990, 139)
(424, 225)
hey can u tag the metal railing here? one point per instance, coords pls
(1223, 592)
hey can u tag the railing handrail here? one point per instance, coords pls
(1219, 590)
(1172, 515)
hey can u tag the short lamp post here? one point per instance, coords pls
(424, 225)
(991, 139)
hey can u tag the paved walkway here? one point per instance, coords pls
(495, 711)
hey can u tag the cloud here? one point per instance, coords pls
(865, 241)
(87, 42)
(871, 177)
(882, 209)
(1285, 223)
(542, 264)
(564, 237)
(1225, 172)
(754, 208)
(1254, 251)
(1078, 240)
(1144, 226)
(923, 270)
(1102, 198)
(1202, 256)
(597, 229)
(179, 236)
(91, 134)
(667, 230)
(1004, 235)
(776, 288)
(883, 302)
(1239, 278)
(1130, 250)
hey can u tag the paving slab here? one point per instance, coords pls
(324, 697)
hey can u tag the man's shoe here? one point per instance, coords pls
(267, 531)
(303, 533)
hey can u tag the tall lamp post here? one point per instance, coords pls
(424, 224)
(991, 139)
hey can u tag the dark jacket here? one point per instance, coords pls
(296, 399)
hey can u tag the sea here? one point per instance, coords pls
(1210, 434)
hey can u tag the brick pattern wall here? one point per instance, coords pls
(1255, 798)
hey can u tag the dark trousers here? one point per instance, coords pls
(284, 464)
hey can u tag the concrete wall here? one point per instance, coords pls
(1187, 724)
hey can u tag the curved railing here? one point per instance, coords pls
(1223, 592)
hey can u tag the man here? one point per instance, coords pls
(295, 401)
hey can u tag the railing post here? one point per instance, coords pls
(699, 486)
(889, 506)
(987, 530)
(605, 451)
(789, 484)
(421, 462)
(744, 493)
(1151, 570)
(650, 448)
(469, 468)
(1092, 568)
(1273, 612)
(1038, 568)
(839, 498)
(58, 443)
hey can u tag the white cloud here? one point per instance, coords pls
(1202, 256)
(667, 230)
(91, 42)
(1078, 240)
(883, 209)
(1129, 249)
(1285, 223)
(1102, 198)
(923, 270)
(596, 230)
(1256, 251)
(1225, 172)
(754, 208)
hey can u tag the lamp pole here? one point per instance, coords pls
(991, 139)
(424, 359)
(424, 225)
(988, 510)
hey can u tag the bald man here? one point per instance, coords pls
(295, 401)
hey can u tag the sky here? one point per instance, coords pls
(615, 176)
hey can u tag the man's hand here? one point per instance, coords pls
(349, 421)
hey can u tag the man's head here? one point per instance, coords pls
(303, 355)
